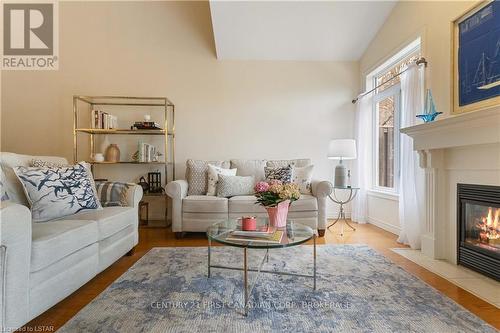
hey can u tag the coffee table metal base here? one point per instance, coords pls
(248, 292)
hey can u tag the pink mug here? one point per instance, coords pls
(248, 223)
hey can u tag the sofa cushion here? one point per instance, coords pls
(112, 194)
(54, 240)
(13, 186)
(213, 177)
(253, 168)
(302, 176)
(196, 174)
(283, 174)
(204, 204)
(301, 162)
(306, 203)
(246, 204)
(110, 220)
(57, 192)
(230, 186)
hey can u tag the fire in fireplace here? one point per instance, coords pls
(479, 228)
(489, 227)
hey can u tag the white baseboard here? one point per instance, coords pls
(384, 225)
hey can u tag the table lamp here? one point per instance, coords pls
(341, 149)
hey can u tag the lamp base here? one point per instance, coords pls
(340, 179)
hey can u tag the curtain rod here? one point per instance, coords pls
(419, 61)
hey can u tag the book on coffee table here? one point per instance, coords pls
(264, 231)
(274, 238)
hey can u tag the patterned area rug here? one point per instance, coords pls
(358, 290)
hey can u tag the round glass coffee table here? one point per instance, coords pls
(293, 234)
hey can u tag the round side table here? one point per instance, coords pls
(353, 191)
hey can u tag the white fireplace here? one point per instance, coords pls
(457, 149)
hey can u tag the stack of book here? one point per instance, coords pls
(265, 235)
(144, 125)
(146, 153)
(103, 120)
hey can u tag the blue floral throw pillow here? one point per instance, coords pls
(55, 192)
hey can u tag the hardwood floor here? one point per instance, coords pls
(380, 240)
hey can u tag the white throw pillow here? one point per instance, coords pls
(213, 177)
(303, 177)
(58, 192)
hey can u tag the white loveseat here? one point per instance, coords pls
(195, 213)
(45, 262)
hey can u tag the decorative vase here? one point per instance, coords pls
(278, 214)
(113, 153)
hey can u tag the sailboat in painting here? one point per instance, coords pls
(430, 112)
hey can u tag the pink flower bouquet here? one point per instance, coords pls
(270, 194)
(276, 197)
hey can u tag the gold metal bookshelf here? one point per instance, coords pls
(168, 130)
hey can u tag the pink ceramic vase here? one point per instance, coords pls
(278, 214)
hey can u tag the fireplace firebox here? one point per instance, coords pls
(478, 218)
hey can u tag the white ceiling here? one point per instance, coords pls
(296, 30)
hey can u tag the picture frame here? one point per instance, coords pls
(476, 58)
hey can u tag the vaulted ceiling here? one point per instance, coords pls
(296, 30)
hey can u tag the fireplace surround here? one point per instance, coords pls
(478, 218)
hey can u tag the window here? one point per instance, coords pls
(386, 114)
(386, 108)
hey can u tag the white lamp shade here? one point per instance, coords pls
(344, 149)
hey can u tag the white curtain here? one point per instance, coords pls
(411, 178)
(363, 162)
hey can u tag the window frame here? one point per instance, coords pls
(395, 91)
(412, 48)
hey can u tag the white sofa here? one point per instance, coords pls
(45, 262)
(195, 213)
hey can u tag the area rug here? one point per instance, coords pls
(359, 290)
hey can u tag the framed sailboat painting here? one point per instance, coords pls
(476, 58)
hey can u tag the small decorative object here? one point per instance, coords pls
(144, 184)
(430, 113)
(135, 156)
(342, 149)
(154, 182)
(476, 70)
(248, 223)
(276, 197)
(98, 157)
(113, 153)
(147, 117)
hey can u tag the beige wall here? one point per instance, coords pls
(431, 20)
(225, 109)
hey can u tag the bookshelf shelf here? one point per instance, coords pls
(123, 131)
(84, 131)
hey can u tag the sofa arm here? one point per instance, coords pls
(15, 238)
(321, 190)
(177, 190)
(134, 195)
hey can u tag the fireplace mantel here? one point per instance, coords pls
(479, 127)
(437, 143)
